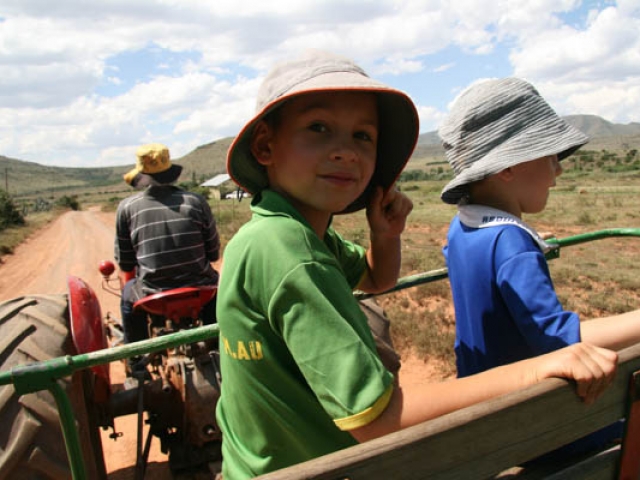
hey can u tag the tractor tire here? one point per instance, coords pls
(36, 328)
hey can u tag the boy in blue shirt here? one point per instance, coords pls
(505, 144)
(301, 375)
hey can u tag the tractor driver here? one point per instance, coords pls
(166, 238)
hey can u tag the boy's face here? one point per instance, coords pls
(535, 178)
(321, 152)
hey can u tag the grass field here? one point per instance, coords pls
(595, 279)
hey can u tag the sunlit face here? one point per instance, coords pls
(535, 178)
(321, 152)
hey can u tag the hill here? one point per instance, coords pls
(595, 127)
(32, 179)
(604, 135)
(205, 161)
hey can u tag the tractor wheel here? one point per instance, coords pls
(36, 328)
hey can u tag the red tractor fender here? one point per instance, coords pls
(87, 331)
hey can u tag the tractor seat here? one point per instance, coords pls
(186, 302)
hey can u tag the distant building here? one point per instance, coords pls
(214, 184)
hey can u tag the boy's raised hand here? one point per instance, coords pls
(387, 213)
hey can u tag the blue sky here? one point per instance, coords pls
(84, 83)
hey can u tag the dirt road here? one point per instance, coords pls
(74, 245)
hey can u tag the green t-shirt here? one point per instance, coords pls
(299, 364)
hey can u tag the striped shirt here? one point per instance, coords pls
(170, 237)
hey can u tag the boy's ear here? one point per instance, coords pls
(260, 143)
(506, 175)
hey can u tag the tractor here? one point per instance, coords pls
(173, 390)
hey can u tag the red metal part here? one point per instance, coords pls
(106, 268)
(630, 459)
(88, 331)
(126, 276)
(178, 303)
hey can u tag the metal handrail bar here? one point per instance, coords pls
(45, 375)
(442, 273)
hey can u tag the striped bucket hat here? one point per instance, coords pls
(496, 124)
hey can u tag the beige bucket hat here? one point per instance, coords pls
(324, 72)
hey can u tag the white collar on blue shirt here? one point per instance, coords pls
(481, 216)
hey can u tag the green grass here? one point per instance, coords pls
(595, 279)
(11, 237)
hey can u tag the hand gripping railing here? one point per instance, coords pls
(45, 375)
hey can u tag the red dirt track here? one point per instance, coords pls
(75, 244)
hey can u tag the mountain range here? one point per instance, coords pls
(29, 178)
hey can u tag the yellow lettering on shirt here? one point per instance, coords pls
(242, 352)
(256, 350)
(227, 347)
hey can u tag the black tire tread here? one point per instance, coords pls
(35, 328)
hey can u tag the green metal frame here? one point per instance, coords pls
(45, 375)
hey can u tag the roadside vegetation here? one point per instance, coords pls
(19, 220)
(598, 190)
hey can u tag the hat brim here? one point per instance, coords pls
(167, 177)
(398, 127)
(551, 137)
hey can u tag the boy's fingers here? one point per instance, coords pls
(397, 203)
(593, 371)
(375, 202)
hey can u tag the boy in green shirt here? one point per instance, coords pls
(301, 376)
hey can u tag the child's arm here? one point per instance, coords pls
(615, 332)
(387, 215)
(592, 368)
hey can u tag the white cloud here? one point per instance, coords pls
(595, 70)
(430, 118)
(443, 68)
(68, 95)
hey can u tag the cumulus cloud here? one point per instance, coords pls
(595, 69)
(83, 84)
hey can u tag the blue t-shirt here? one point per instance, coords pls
(506, 307)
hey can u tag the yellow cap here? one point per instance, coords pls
(152, 159)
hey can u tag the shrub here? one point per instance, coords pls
(67, 201)
(9, 214)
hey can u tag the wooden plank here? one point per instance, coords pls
(480, 441)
